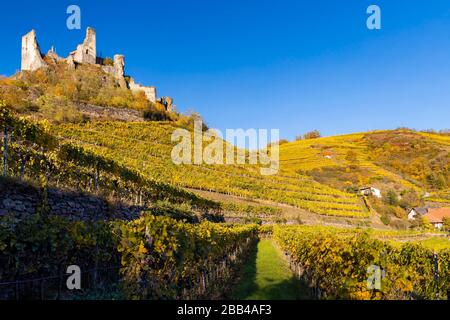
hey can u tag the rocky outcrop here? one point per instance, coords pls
(31, 53)
(110, 113)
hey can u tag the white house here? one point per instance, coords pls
(435, 216)
(371, 191)
(417, 212)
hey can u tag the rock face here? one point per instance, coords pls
(31, 53)
(87, 51)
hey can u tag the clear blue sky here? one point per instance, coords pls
(293, 65)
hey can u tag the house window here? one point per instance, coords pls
(87, 51)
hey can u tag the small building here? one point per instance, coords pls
(417, 212)
(436, 216)
(371, 191)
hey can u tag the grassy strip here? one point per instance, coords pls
(267, 277)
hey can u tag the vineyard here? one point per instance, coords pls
(348, 156)
(179, 247)
(337, 264)
(32, 153)
(148, 258)
(147, 147)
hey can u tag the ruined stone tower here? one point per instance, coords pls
(31, 53)
(87, 51)
(119, 67)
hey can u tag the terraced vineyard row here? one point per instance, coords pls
(34, 153)
(307, 155)
(149, 152)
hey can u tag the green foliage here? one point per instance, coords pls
(160, 257)
(45, 245)
(410, 199)
(446, 224)
(385, 219)
(267, 277)
(390, 198)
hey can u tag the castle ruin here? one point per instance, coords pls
(86, 53)
(31, 53)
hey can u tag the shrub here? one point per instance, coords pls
(312, 135)
(385, 219)
(390, 198)
(108, 61)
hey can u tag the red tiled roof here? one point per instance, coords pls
(437, 215)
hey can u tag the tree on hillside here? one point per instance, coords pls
(437, 180)
(425, 224)
(410, 200)
(351, 156)
(446, 224)
(312, 135)
(390, 198)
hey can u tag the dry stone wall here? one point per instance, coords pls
(22, 199)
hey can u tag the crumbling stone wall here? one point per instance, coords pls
(119, 69)
(167, 102)
(150, 92)
(31, 53)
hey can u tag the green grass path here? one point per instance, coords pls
(267, 276)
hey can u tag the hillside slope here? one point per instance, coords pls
(397, 159)
(147, 147)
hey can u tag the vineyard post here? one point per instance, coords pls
(17, 290)
(5, 151)
(436, 273)
(42, 289)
